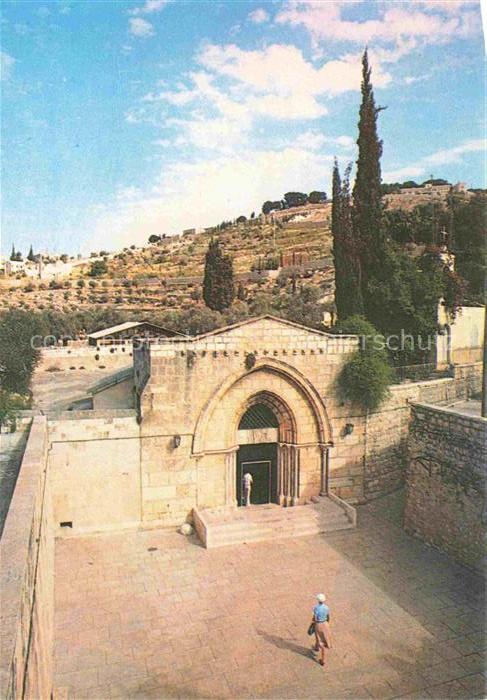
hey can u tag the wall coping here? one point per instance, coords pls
(451, 410)
(91, 414)
(423, 382)
(14, 546)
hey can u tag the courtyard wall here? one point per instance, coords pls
(386, 430)
(446, 481)
(85, 357)
(27, 577)
(94, 464)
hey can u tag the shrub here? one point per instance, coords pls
(98, 268)
(366, 377)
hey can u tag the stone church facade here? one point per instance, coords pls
(259, 395)
(195, 414)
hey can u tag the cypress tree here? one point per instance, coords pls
(367, 207)
(218, 285)
(13, 254)
(348, 294)
(31, 255)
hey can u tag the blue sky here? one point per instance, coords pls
(122, 119)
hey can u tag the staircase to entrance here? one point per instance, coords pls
(217, 527)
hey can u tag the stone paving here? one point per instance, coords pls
(151, 614)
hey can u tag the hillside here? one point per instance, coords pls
(168, 273)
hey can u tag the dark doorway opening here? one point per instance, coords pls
(260, 461)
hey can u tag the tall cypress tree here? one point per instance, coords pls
(218, 285)
(31, 255)
(367, 207)
(13, 254)
(348, 294)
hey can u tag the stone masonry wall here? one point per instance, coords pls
(85, 357)
(446, 481)
(94, 463)
(27, 577)
(385, 456)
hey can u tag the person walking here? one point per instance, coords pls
(321, 621)
(247, 487)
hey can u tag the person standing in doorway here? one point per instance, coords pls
(247, 487)
(321, 620)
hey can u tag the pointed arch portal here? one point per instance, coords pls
(265, 422)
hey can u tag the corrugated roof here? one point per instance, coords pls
(128, 325)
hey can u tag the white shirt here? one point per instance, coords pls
(247, 480)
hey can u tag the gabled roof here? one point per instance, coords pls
(132, 325)
(270, 317)
(112, 380)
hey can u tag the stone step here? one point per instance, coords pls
(270, 522)
(222, 538)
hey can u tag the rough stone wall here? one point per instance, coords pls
(446, 481)
(27, 577)
(386, 432)
(85, 357)
(94, 464)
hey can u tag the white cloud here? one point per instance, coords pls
(149, 7)
(442, 157)
(140, 27)
(6, 65)
(315, 140)
(204, 192)
(282, 68)
(428, 23)
(219, 104)
(259, 16)
(402, 174)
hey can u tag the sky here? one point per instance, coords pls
(125, 119)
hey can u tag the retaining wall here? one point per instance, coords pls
(27, 577)
(446, 481)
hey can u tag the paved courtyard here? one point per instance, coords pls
(154, 615)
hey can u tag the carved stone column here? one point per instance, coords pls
(280, 473)
(295, 469)
(324, 470)
(231, 478)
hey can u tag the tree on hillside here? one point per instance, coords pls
(317, 197)
(218, 285)
(367, 206)
(98, 268)
(13, 254)
(295, 199)
(348, 294)
(18, 356)
(468, 242)
(154, 238)
(269, 206)
(31, 255)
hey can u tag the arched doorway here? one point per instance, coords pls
(264, 432)
(259, 459)
(301, 438)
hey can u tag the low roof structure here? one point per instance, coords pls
(130, 329)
